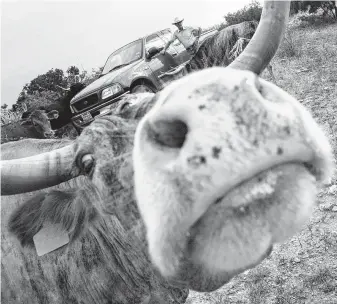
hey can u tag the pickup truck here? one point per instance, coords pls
(135, 67)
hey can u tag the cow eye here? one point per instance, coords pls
(87, 163)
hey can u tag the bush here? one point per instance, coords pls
(43, 99)
(89, 78)
(329, 8)
(250, 12)
(305, 18)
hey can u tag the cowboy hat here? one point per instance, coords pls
(177, 20)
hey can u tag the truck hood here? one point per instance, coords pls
(105, 80)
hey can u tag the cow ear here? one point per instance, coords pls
(25, 222)
(69, 208)
(54, 114)
(27, 122)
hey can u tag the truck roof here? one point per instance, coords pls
(139, 39)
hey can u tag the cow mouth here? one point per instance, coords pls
(262, 178)
(239, 229)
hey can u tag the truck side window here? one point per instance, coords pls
(154, 41)
(167, 35)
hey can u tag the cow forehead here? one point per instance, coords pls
(106, 135)
(40, 116)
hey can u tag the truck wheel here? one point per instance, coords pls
(142, 88)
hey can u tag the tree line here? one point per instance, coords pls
(253, 11)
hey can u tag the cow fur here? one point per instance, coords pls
(106, 260)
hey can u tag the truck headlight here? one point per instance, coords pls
(78, 120)
(112, 90)
(105, 110)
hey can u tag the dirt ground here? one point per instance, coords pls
(304, 269)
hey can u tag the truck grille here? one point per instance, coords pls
(86, 102)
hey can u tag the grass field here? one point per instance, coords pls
(303, 270)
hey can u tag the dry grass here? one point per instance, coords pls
(289, 47)
(303, 270)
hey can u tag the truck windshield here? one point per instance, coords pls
(124, 56)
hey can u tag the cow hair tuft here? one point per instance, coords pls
(69, 208)
(140, 108)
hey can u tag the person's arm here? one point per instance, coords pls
(197, 32)
(168, 44)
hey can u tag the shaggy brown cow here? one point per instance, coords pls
(217, 49)
(222, 48)
(220, 166)
(35, 125)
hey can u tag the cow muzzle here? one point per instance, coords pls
(226, 164)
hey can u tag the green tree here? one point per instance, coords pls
(250, 12)
(73, 75)
(328, 7)
(46, 82)
(89, 78)
(53, 88)
(54, 83)
(73, 70)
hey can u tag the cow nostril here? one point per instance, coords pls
(48, 134)
(168, 133)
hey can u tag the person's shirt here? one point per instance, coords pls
(186, 36)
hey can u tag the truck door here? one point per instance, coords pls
(159, 63)
(176, 47)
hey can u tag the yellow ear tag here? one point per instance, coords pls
(49, 238)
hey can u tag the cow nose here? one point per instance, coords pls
(168, 133)
(204, 137)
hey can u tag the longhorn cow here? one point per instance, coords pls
(182, 190)
(34, 125)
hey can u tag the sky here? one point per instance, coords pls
(37, 36)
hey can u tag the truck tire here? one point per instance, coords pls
(142, 88)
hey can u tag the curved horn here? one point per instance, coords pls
(268, 36)
(38, 171)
